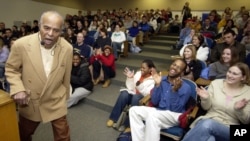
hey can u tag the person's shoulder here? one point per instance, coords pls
(217, 82)
(26, 40)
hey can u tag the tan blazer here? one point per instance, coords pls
(25, 72)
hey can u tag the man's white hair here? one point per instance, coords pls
(51, 13)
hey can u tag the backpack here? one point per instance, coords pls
(124, 136)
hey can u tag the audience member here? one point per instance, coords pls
(169, 96)
(103, 40)
(194, 66)
(208, 29)
(88, 39)
(219, 68)
(183, 34)
(229, 26)
(138, 85)
(70, 36)
(35, 27)
(82, 48)
(202, 51)
(229, 41)
(226, 102)
(7, 37)
(117, 38)
(144, 29)
(80, 80)
(4, 54)
(102, 66)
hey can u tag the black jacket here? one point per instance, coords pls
(80, 77)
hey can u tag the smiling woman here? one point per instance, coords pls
(228, 97)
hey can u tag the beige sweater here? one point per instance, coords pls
(221, 107)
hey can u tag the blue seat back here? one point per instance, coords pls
(209, 42)
(193, 86)
(91, 33)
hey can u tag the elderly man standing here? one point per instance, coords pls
(38, 70)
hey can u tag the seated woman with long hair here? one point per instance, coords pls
(227, 103)
(194, 66)
(102, 66)
(202, 51)
(219, 68)
(138, 85)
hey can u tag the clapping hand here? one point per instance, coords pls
(128, 72)
(240, 104)
(202, 92)
(156, 76)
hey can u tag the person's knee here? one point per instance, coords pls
(133, 110)
(207, 124)
(135, 100)
(124, 94)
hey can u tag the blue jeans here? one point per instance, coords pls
(124, 99)
(116, 46)
(208, 130)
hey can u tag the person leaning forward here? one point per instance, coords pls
(38, 70)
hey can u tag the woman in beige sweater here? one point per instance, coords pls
(227, 103)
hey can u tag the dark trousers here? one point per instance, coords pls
(60, 129)
(107, 71)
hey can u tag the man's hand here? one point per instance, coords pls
(21, 98)
(156, 76)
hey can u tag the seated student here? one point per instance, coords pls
(208, 29)
(103, 40)
(117, 38)
(88, 39)
(202, 51)
(169, 96)
(183, 34)
(229, 26)
(4, 54)
(80, 80)
(102, 66)
(144, 28)
(138, 85)
(229, 38)
(81, 46)
(188, 38)
(227, 103)
(174, 25)
(246, 41)
(194, 66)
(131, 36)
(219, 68)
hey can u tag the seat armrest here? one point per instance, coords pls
(145, 100)
(194, 112)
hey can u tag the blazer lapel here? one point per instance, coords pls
(34, 53)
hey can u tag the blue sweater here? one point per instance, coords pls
(84, 50)
(133, 31)
(164, 98)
